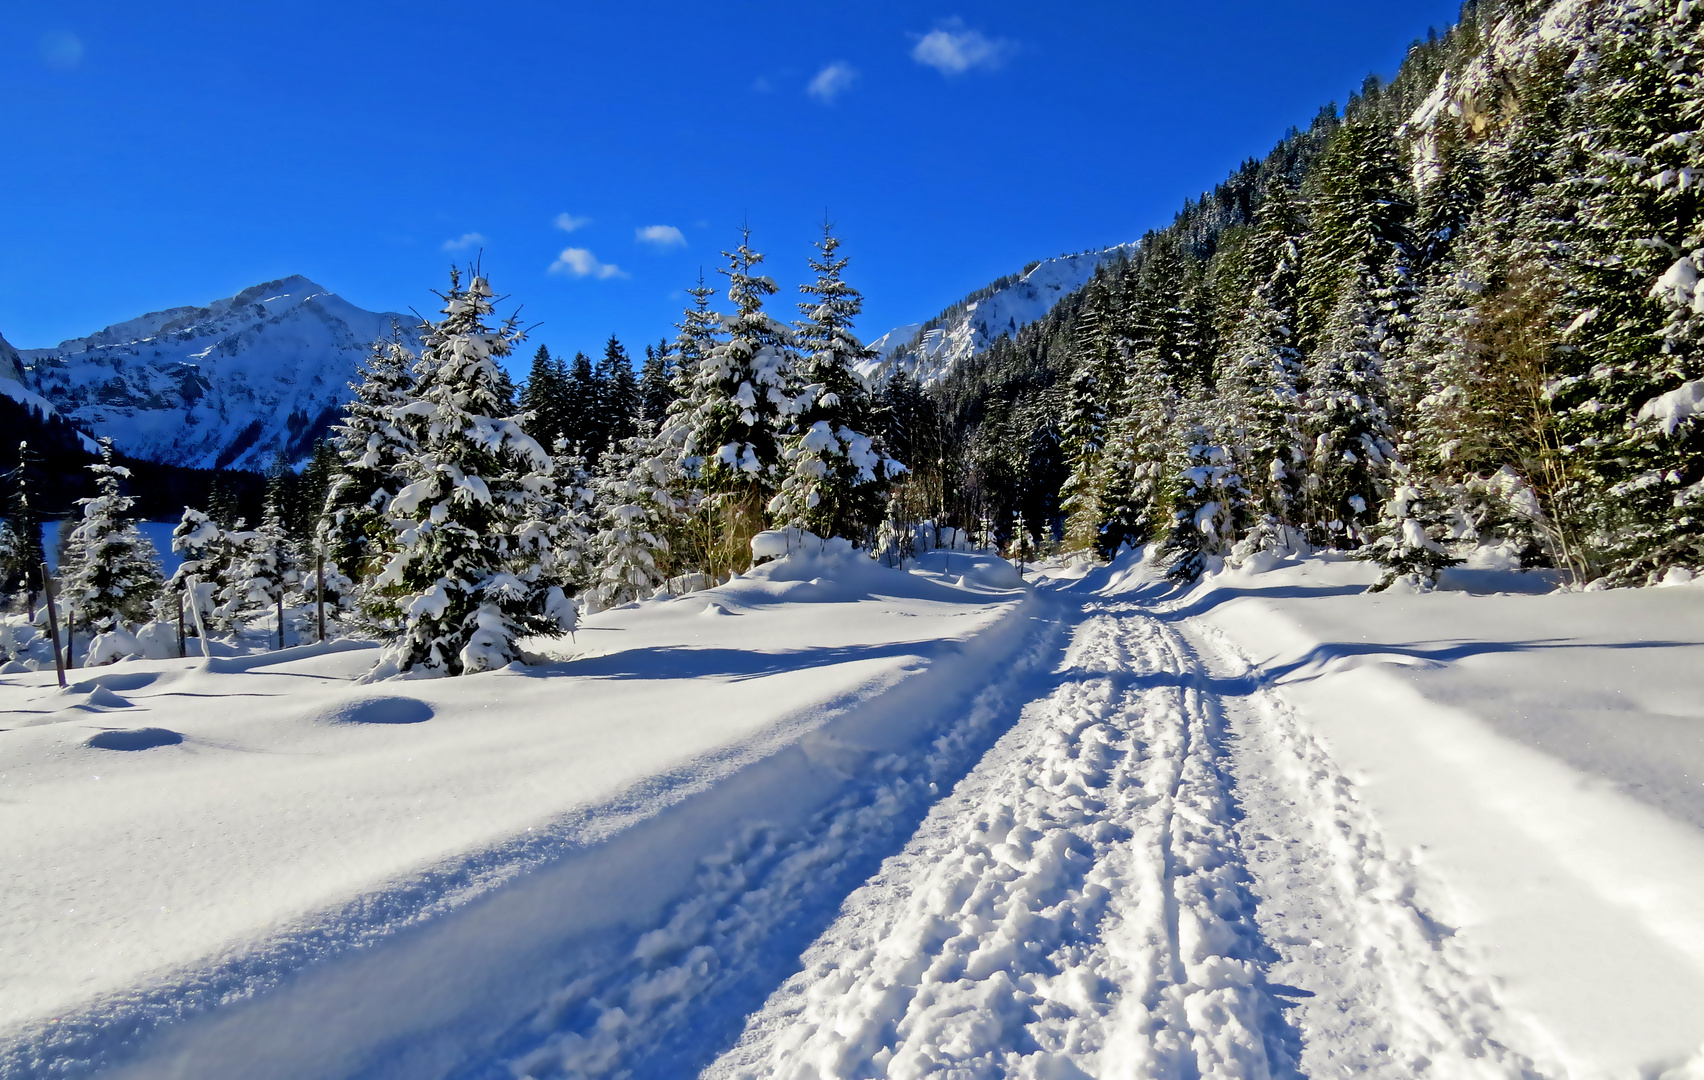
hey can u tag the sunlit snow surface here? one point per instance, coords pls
(836, 820)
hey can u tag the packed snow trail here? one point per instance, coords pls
(1092, 901)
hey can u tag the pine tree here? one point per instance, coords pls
(201, 544)
(468, 550)
(544, 399)
(1407, 538)
(111, 575)
(260, 566)
(21, 555)
(1210, 509)
(1347, 421)
(657, 384)
(1132, 490)
(582, 416)
(634, 506)
(1638, 484)
(1084, 439)
(740, 405)
(371, 445)
(618, 402)
(834, 471)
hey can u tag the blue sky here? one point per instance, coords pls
(169, 153)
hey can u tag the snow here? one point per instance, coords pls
(834, 820)
(187, 385)
(1675, 408)
(981, 323)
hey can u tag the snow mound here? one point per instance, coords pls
(980, 570)
(378, 709)
(146, 738)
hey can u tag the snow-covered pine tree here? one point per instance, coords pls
(1132, 491)
(634, 505)
(371, 444)
(1407, 539)
(1083, 440)
(468, 553)
(1262, 364)
(740, 407)
(1638, 485)
(261, 567)
(571, 518)
(200, 543)
(111, 574)
(834, 472)
(1210, 509)
(21, 554)
(1345, 416)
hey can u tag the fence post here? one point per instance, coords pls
(319, 592)
(183, 647)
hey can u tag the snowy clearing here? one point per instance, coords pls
(834, 820)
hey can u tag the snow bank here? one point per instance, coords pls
(189, 834)
(1541, 753)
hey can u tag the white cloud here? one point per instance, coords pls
(568, 222)
(578, 262)
(832, 81)
(953, 50)
(660, 236)
(464, 241)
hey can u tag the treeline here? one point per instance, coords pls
(452, 515)
(1461, 315)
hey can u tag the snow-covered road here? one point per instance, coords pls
(1098, 827)
(1155, 874)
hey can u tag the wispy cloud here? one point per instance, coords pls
(832, 81)
(761, 85)
(60, 50)
(953, 50)
(568, 222)
(464, 241)
(660, 236)
(578, 262)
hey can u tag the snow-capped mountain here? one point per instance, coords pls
(929, 350)
(229, 384)
(11, 365)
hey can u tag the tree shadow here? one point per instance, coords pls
(699, 662)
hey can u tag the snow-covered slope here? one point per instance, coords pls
(972, 325)
(231, 383)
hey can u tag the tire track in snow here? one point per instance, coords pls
(662, 1006)
(1386, 989)
(1077, 908)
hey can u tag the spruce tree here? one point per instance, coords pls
(1407, 540)
(111, 574)
(834, 470)
(1210, 509)
(657, 384)
(740, 406)
(1347, 421)
(544, 399)
(201, 544)
(631, 546)
(371, 445)
(582, 416)
(21, 555)
(618, 404)
(468, 550)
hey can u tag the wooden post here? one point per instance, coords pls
(183, 648)
(280, 617)
(52, 623)
(319, 593)
(70, 637)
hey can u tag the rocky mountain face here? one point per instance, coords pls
(929, 350)
(234, 383)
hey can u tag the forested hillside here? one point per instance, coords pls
(1459, 312)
